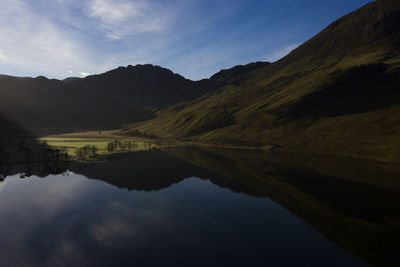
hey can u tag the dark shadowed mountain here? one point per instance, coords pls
(98, 102)
(338, 93)
(146, 86)
(49, 106)
(105, 101)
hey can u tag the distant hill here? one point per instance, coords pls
(105, 101)
(143, 85)
(338, 93)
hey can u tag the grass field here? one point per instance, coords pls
(72, 144)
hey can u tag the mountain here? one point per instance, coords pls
(337, 94)
(45, 106)
(98, 102)
(104, 101)
(143, 85)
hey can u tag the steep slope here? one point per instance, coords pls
(338, 93)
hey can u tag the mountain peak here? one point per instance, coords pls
(142, 69)
(41, 78)
(370, 33)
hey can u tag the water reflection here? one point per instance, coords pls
(324, 212)
(40, 169)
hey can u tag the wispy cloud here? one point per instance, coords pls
(280, 53)
(33, 42)
(51, 38)
(114, 12)
(120, 18)
(63, 37)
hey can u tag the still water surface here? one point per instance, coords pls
(167, 209)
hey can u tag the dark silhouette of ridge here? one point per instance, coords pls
(142, 85)
(97, 102)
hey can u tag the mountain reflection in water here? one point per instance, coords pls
(246, 208)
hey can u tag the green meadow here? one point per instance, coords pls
(103, 147)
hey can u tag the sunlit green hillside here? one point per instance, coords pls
(338, 93)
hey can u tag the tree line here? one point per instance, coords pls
(90, 152)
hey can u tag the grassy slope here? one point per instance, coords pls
(317, 99)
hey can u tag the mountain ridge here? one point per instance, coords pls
(290, 104)
(321, 98)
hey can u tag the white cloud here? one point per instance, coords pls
(84, 74)
(280, 53)
(34, 43)
(121, 18)
(52, 37)
(112, 11)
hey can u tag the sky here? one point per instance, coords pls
(195, 38)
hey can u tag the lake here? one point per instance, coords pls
(201, 207)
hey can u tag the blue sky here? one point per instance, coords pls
(195, 38)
